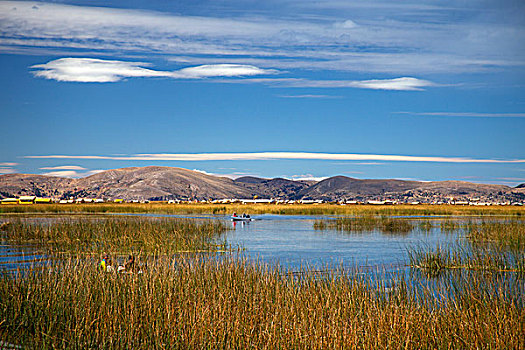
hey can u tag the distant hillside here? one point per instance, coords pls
(273, 188)
(162, 183)
(127, 183)
(347, 187)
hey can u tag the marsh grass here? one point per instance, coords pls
(480, 258)
(510, 234)
(366, 224)
(116, 235)
(481, 245)
(288, 209)
(182, 304)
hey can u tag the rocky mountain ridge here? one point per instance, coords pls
(164, 183)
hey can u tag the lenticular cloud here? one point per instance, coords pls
(91, 70)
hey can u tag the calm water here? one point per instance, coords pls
(292, 242)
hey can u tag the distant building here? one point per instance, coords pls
(10, 201)
(26, 199)
(39, 200)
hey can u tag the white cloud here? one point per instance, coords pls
(348, 24)
(63, 167)
(466, 114)
(232, 176)
(308, 177)
(405, 83)
(89, 70)
(62, 173)
(283, 155)
(223, 70)
(72, 173)
(8, 164)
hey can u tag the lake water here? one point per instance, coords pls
(292, 242)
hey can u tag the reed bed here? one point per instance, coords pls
(467, 257)
(116, 235)
(187, 304)
(480, 245)
(366, 224)
(288, 209)
(510, 234)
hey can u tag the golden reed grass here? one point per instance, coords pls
(198, 304)
(118, 235)
(289, 209)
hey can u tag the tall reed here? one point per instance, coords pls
(117, 235)
(456, 256)
(289, 209)
(366, 223)
(509, 234)
(234, 304)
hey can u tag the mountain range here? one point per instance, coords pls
(164, 183)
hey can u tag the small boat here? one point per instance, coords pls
(241, 218)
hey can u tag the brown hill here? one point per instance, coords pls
(346, 187)
(155, 182)
(128, 183)
(273, 188)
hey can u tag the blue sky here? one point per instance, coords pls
(427, 90)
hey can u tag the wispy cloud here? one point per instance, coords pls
(310, 96)
(63, 167)
(466, 114)
(425, 39)
(396, 84)
(89, 70)
(281, 155)
(7, 170)
(400, 84)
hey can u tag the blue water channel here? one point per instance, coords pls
(292, 242)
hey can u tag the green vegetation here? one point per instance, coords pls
(235, 304)
(116, 235)
(289, 209)
(365, 223)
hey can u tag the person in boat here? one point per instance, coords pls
(243, 215)
(234, 215)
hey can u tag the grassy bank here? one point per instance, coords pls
(293, 209)
(233, 304)
(115, 235)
